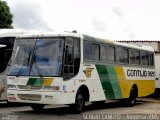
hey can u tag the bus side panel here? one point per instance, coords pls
(145, 85)
(109, 81)
(117, 85)
(88, 76)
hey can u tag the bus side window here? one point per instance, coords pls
(110, 54)
(91, 52)
(87, 51)
(144, 58)
(122, 55)
(95, 52)
(134, 57)
(151, 59)
(103, 54)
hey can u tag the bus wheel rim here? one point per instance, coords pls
(80, 101)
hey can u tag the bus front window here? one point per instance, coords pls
(21, 57)
(43, 58)
(47, 58)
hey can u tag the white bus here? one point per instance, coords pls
(7, 38)
(71, 68)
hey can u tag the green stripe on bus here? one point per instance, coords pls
(31, 81)
(105, 80)
(35, 81)
(39, 82)
(109, 81)
(114, 82)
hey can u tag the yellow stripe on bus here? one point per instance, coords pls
(47, 81)
(125, 85)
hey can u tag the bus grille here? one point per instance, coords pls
(32, 97)
(29, 87)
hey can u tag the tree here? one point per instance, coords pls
(5, 15)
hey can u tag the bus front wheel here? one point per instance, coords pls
(79, 104)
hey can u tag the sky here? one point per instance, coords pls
(107, 19)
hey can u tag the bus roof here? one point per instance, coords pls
(111, 42)
(140, 47)
(85, 37)
(46, 34)
(10, 32)
(137, 40)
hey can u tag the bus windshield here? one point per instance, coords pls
(6, 47)
(37, 57)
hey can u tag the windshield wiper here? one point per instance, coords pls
(28, 60)
(33, 62)
(36, 66)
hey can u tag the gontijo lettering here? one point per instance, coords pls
(140, 73)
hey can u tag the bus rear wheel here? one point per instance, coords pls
(132, 99)
(37, 107)
(79, 104)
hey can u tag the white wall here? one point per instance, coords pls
(157, 67)
(154, 45)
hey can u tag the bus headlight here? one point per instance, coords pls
(11, 87)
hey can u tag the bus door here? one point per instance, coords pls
(71, 60)
(68, 68)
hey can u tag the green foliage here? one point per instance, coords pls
(5, 16)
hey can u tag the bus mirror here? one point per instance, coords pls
(157, 78)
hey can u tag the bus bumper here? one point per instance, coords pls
(41, 97)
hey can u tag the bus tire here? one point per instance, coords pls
(132, 98)
(79, 104)
(37, 107)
